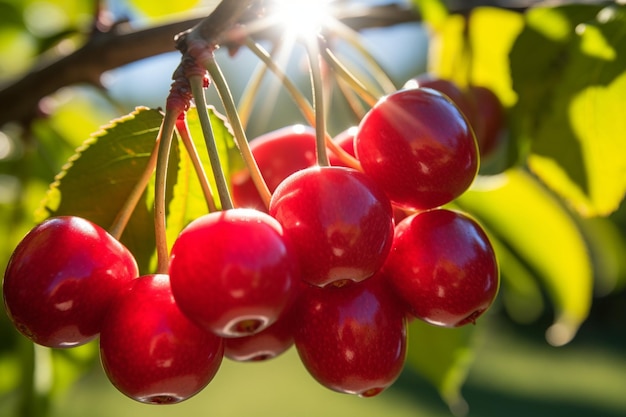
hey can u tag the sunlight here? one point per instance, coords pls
(302, 18)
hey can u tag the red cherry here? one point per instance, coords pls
(351, 339)
(448, 88)
(234, 272)
(345, 140)
(278, 154)
(418, 147)
(488, 120)
(61, 278)
(265, 345)
(150, 351)
(444, 267)
(339, 221)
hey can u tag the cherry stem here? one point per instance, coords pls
(305, 107)
(348, 77)
(124, 214)
(352, 99)
(356, 40)
(197, 89)
(166, 135)
(183, 131)
(239, 133)
(317, 85)
(250, 92)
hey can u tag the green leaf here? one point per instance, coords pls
(533, 223)
(572, 92)
(97, 180)
(443, 357)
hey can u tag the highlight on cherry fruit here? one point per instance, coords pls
(199, 243)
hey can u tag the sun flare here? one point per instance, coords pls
(302, 18)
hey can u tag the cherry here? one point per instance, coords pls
(448, 88)
(444, 267)
(151, 351)
(340, 222)
(351, 339)
(345, 140)
(278, 154)
(479, 104)
(488, 120)
(267, 344)
(234, 272)
(418, 147)
(61, 278)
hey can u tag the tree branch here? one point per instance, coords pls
(119, 46)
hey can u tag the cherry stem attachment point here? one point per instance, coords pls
(197, 89)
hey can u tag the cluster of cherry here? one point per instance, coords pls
(336, 265)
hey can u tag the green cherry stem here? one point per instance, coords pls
(240, 135)
(185, 135)
(317, 85)
(166, 135)
(349, 78)
(305, 107)
(197, 89)
(355, 39)
(250, 92)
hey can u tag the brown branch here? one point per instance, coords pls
(19, 100)
(120, 46)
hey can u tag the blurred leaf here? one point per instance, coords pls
(572, 93)
(519, 291)
(152, 8)
(96, 181)
(517, 209)
(188, 202)
(433, 12)
(448, 53)
(442, 356)
(17, 50)
(70, 364)
(492, 33)
(608, 246)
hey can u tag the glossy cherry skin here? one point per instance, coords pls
(278, 154)
(340, 222)
(61, 278)
(234, 272)
(151, 351)
(352, 339)
(444, 267)
(418, 147)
